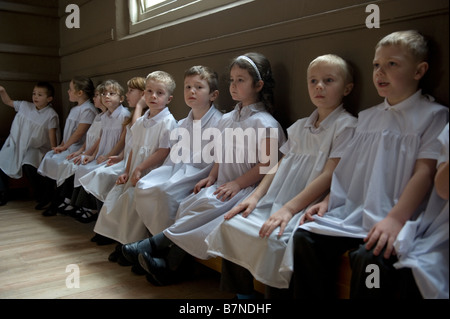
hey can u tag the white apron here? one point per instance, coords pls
(422, 245)
(100, 181)
(28, 140)
(200, 213)
(159, 193)
(118, 218)
(112, 126)
(378, 163)
(80, 114)
(67, 168)
(306, 152)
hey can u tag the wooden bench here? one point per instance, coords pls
(342, 284)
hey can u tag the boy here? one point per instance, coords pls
(34, 131)
(381, 182)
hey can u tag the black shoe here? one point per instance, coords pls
(131, 251)
(86, 216)
(102, 240)
(51, 211)
(138, 270)
(158, 272)
(114, 256)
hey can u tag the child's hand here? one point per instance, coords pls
(112, 160)
(101, 159)
(206, 182)
(122, 179)
(280, 218)
(85, 159)
(227, 191)
(77, 160)
(319, 209)
(73, 155)
(59, 149)
(383, 234)
(136, 176)
(246, 207)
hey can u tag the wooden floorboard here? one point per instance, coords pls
(35, 251)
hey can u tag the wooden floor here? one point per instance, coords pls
(35, 251)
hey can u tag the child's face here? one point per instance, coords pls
(111, 99)
(327, 86)
(242, 88)
(74, 94)
(40, 97)
(396, 73)
(197, 93)
(156, 95)
(134, 96)
(98, 101)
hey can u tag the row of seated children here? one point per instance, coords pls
(378, 206)
(182, 209)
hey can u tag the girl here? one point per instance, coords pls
(230, 179)
(67, 169)
(311, 153)
(81, 90)
(118, 219)
(383, 179)
(101, 180)
(34, 131)
(110, 143)
(159, 193)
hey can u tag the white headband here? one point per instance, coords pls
(246, 58)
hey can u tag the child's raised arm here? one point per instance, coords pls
(384, 233)
(5, 97)
(309, 194)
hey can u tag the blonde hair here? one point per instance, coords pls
(411, 40)
(115, 86)
(335, 60)
(163, 77)
(137, 83)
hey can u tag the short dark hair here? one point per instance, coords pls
(46, 85)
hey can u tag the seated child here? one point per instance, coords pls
(81, 90)
(234, 175)
(159, 193)
(381, 182)
(311, 153)
(118, 219)
(34, 131)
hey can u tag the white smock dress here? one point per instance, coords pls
(422, 245)
(101, 180)
(378, 163)
(200, 213)
(80, 114)
(118, 218)
(305, 153)
(112, 126)
(159, 193)
(67, 168)
(28, 140)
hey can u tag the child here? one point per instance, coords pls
(118, 219)
(159, 193)
(110, 143)
(312, 152)
(422, 245)
(81, 90)
(101, 180)
(231, 179)
(381, 182)
(34, 131)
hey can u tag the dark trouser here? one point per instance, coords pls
(3, 181)
(39, 183)
(174, 256)
(80, 198)
(316, 263)
(238, 280)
